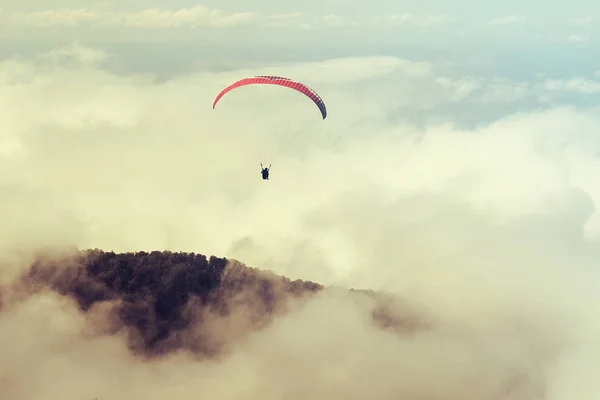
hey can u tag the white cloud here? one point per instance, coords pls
(482, 226)
(507, 20)
(486, 91)
(74, 53)
(581, 21)
(505, 91)
(408, 18)
(286, 19)
(198, 16)
(578, 39)
(149, 18)
(100, 100)
(396, 20)
(579, 85)
(190, 17)
(54, 17)
(462, 88)
(333, 20)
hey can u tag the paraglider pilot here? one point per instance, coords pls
(265, 172)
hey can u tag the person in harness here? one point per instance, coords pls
(265, 172)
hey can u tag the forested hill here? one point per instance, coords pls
(166, 301)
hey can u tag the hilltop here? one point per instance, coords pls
(164, 301)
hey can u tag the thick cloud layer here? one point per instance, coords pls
(471, 198)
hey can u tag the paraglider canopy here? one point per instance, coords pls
(279, 81)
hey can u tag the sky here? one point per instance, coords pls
(457, 167)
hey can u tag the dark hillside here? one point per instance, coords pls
(166, 301)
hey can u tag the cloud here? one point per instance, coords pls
(149, 18)
(407, 18)
(189, 17)
(200, 16)
(507, 20)
(579, 85)
(491, 226)
(56, 17)
(286, 19)
(581, 21)
(395, 20)
(578, 39)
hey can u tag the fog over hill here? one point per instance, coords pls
(436, 237)
(156, 325)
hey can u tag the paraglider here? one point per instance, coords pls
(278, 81)
(265, 172)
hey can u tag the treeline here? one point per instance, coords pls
(166, 301)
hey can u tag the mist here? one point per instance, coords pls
(471, 201)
